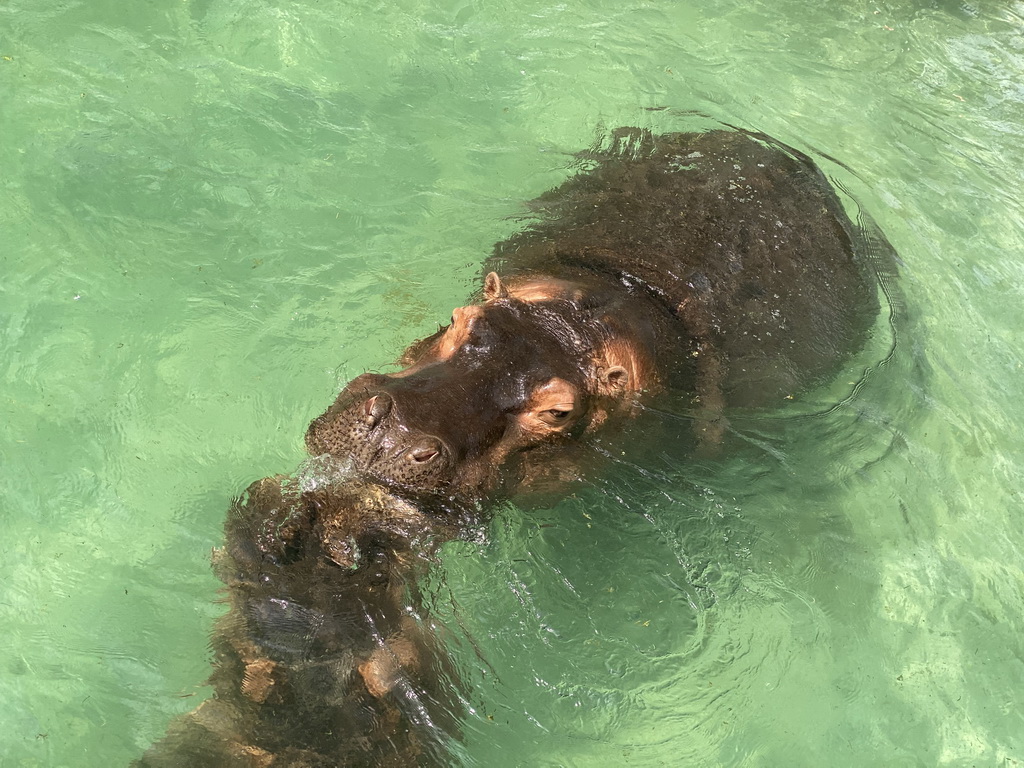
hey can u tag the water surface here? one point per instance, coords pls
(215, 212)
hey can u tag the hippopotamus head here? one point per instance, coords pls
(538, 364)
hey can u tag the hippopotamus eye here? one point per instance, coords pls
(555, 415)
(552, 407)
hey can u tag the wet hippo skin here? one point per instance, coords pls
(720, 266)
(326, 656)
(717, 267)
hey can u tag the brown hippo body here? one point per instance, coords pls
(325, 657)
(720, 266)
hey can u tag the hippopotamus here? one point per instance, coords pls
(326, 656)
(719, 266)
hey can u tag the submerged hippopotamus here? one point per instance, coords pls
(718, 265)
(327, 656)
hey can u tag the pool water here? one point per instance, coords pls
(213, 213)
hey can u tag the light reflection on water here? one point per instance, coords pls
(216, 213)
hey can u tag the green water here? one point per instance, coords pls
(215, 212)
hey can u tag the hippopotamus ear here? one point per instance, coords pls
(621, 366)
(613, 380)
(493, 288)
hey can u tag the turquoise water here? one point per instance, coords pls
(213, 213)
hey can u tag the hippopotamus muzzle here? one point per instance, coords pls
(371, 430)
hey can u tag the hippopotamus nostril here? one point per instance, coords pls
(426, 450)
(375, 409)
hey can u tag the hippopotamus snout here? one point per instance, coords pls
(370, 429)
(388, 432)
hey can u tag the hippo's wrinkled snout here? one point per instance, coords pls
(374, 435)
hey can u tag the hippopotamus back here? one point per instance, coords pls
(739, 237)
